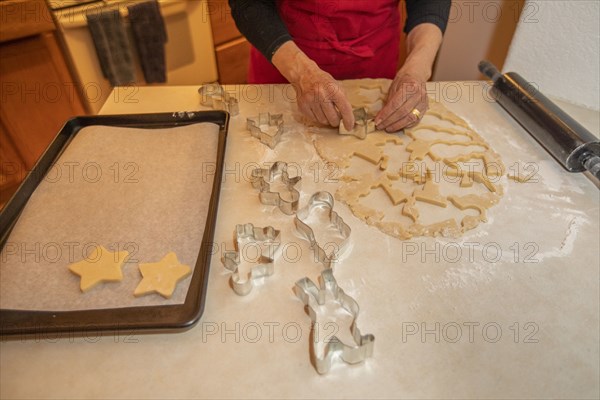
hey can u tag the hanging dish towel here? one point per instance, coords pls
(112, 46)
(150, 36)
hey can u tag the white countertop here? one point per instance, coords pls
(527, 329)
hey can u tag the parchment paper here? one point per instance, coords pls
(146, 191)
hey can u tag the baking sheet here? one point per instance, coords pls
(146, 191)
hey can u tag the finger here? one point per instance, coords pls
(308, 112)
(394, 101)
(404, 92)
(405, 122)
(319, 114)
(331, 113)
(409, 119)
(345, 109)
(399, 113)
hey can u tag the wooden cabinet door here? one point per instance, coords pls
(12, 167)
(231, 48)
(38, 95)
(223, 25)
(232, 59)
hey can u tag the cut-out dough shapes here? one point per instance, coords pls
(102, 265)
(161, 277)
(441, 161)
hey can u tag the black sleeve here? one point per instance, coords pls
(260, 22)
(420, 11)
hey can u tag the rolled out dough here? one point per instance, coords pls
(439, 177)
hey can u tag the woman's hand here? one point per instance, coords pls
(323, 99)
(407, 99)
(320, 97)
(406, 104)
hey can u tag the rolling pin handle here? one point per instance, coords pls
(488, 69)
(591, 163)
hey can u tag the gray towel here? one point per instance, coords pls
(112, 46)
(150, 36)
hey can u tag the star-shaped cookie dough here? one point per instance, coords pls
(102, 265)
(161, 277)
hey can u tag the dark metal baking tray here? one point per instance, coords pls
(23, 323)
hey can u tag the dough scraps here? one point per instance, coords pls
(437, 178)
(161, 277)
(101, 265)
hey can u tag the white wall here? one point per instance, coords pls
(556, 46)
(477, 30)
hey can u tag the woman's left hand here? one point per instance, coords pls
(406, 104)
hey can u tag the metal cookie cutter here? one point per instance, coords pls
(213, 95)
(313, 297)
(322, 200)
(266, 264)
(261, 179)
(254, 124)
(363, 125)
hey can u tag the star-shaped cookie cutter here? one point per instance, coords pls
(362, 127)
(261, 178)
(266, 263)
(253, 124)
(213, 95)
(313, 297)
(322, 200)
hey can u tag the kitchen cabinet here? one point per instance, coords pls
(38, 93)
(231, 47)
(11, 166)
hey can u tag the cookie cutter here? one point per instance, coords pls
(363, 125)
(313, 297)
(261, 178)
(213, 95)
(253, 124)
(322, 200)
(266, 264)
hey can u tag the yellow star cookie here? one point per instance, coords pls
(101, 266)
(161, 277)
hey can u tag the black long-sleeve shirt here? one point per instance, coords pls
(260, 22)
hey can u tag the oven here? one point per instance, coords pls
(189, 51)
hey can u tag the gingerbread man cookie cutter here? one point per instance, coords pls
(313, 297)
(262, 178)
(363, 125)
(248, 233)
(322, 200)
(213, 95)
(253, 124)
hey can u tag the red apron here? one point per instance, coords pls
(347, 38)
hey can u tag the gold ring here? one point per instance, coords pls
(416, 113)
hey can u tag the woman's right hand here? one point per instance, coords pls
(320, 97)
